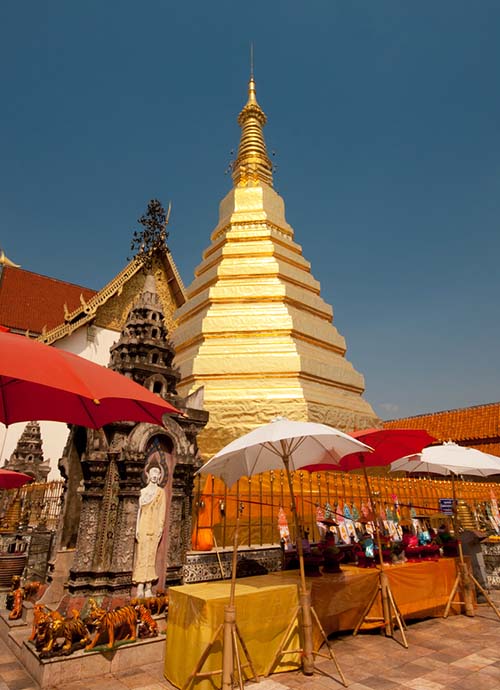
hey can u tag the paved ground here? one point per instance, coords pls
(459, 652)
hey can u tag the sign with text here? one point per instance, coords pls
(446, 506)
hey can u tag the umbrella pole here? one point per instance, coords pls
(230, 636)
(464, 579)
(304, 595)
(305, 606)
(389, 606)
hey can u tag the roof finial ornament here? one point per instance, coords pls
(153, 236)
(251, 60)
(5, 261)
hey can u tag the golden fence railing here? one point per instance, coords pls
(33, 506)
(262, 496)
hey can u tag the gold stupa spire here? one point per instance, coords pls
(252, 164)
(254, 332)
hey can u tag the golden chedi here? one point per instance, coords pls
(255, 332)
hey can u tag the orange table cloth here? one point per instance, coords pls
(419, 589)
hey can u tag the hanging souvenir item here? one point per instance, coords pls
(283, 527)
(369, 547)
(491, 517)
(356, 519)
(367, 511)
(329, 512)
(370, 528)
(349, 523)
(397, 509)
(391, 525)
(424, 537)
(320, 521)
(495, 511)
(351, 529)
(344, 533)
(395, 531)
(320, 513)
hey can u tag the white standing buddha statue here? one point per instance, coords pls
(149, 530)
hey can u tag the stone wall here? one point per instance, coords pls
(203, 566)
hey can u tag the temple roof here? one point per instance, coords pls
(478, 426)
(52, 309)
(86, 311)
(30, 301)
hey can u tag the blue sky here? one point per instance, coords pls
(385, 120)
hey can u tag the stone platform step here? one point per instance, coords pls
(60, 671)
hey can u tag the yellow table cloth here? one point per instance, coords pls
(264, 609)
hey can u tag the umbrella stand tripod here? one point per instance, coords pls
(304, 613)
(390, 611)
(464, 579)
(232, 639)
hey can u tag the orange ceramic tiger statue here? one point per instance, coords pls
(17, 606)
(40, 613)
(49, 629)
(119, 624)
(155, 604)
(148, 627)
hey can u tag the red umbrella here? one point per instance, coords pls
(388, 445)
(46, 383)
(9, 479)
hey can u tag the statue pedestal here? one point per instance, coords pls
(63, 670)
(59, 577)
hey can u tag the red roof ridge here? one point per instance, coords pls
(453, 409)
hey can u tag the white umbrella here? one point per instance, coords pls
(281, 443)
(290, 445)
(452, 459)
(449, 458)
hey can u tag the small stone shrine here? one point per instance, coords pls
(28, 454)
(109, 470)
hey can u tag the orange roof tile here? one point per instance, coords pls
(30, 301)
(479, 423)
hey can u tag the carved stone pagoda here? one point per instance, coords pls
(28, 454)
(106, 468)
